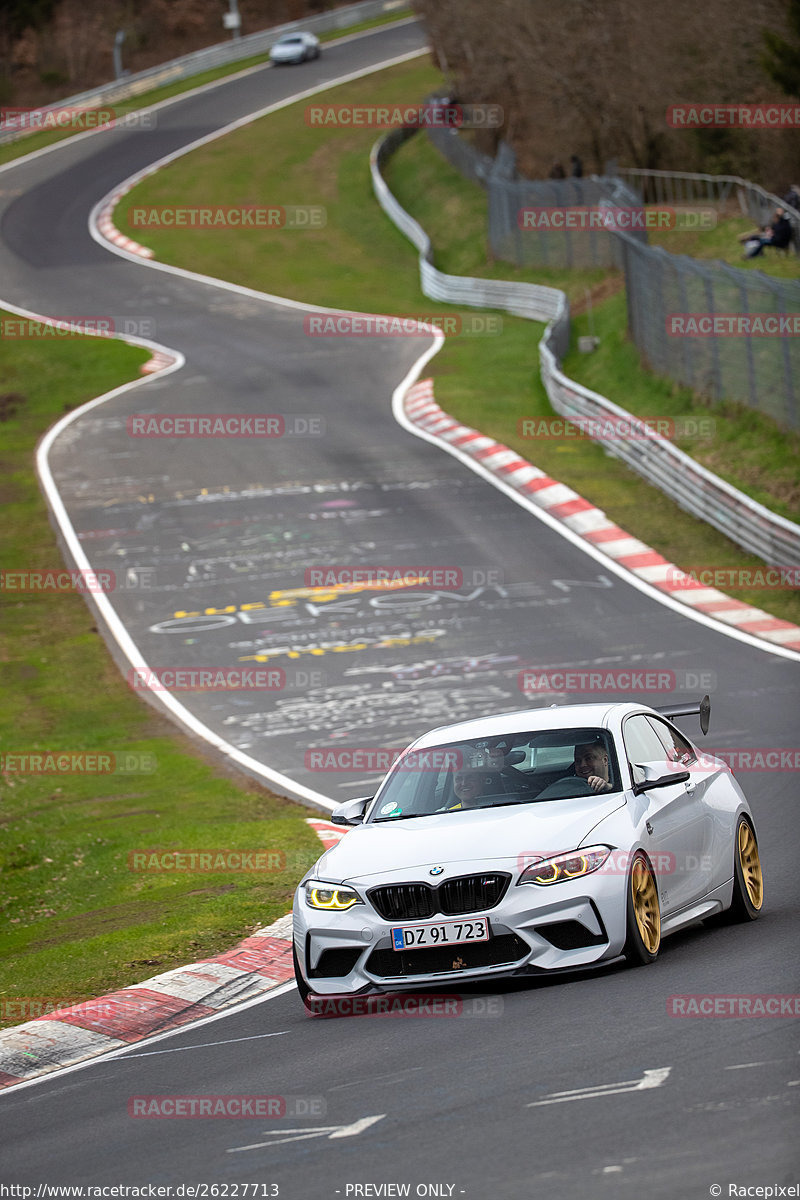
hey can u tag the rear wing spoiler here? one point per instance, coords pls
(702, 709)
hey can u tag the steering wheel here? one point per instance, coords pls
(562, 789)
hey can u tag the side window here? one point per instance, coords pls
(677, 747)
(642, 744)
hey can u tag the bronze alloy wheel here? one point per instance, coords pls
(747, 898)
(750, 864)
(645, 905)
(643, 938)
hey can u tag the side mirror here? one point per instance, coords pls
(351, 812)
(661, 781)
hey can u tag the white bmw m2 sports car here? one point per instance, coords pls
(526, 842)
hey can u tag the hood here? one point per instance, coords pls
(464, 840)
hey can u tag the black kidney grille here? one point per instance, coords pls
(472, 893)
(416, 901)
(404, 901)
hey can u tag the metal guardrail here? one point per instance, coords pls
(519, 299)
(220, 55)
(698, 491)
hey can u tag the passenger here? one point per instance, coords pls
(469, 784)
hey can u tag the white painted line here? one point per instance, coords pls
(300, 1135)
(206, 1045)
(651, 1079)
(357, 1126)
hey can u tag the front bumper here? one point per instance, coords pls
(533, 929)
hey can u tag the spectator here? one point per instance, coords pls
(792, 197)
(778, 234)
(577, 167)
(557, 171)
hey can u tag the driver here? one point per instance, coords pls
(591, 765)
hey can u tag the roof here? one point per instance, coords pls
(556, 716)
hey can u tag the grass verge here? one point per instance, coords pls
(76, 921)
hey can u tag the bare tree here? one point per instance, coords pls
(596, 77)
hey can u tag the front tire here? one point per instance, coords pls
(748, 881)
(643, 939)
(302, 986)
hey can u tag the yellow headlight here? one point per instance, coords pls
(333, 899)
(562, 867)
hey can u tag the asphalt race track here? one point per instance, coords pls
(489, 1102)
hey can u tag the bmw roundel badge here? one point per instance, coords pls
(436, 870)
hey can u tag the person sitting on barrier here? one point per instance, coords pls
(778, 235)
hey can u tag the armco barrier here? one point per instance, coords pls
(698, 491)
(520, 299)
(224, 53)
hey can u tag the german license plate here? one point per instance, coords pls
(444, 933)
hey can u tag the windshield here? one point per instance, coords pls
(517, 768)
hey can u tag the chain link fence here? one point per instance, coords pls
(683, 313)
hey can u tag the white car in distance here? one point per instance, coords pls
(295, 47)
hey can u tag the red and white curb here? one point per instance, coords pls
(105, 220)
(71, 1035)
(591, 523)
(158, 362)
(328, 833)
